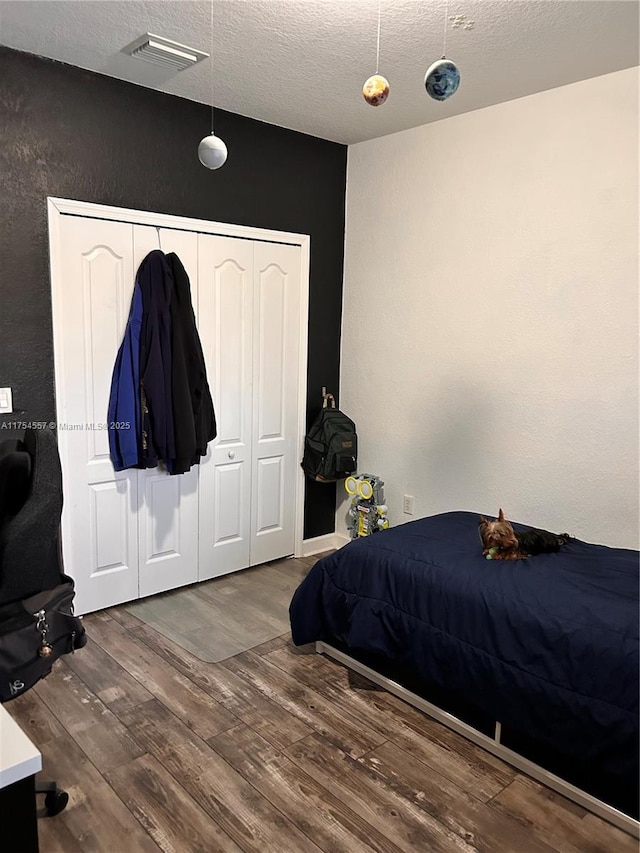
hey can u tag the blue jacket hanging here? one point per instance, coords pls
(141, 383)
(124, 423)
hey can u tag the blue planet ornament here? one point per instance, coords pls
(442, 79)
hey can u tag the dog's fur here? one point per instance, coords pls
(511, 545)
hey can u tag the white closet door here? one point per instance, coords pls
(168, 505)
(92, 287)
(276, 357)
(225, 309)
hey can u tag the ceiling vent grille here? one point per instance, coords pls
(162, 51)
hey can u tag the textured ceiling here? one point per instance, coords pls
(301, 63)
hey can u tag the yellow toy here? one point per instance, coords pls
(368, 512)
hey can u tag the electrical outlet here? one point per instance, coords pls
(407, 504)
(6, 405)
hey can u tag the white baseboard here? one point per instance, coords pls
(328, 542)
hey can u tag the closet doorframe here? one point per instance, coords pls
(60, 207)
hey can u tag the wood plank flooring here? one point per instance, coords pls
(275, 750)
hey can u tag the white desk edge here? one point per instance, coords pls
(18, 756)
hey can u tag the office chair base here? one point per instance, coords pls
(55, 799)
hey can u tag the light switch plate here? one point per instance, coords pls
(6, 404)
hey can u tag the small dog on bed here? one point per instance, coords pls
(501, 542)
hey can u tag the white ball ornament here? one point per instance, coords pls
(212, 152)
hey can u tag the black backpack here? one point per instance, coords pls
(34, 633)
(331, 445)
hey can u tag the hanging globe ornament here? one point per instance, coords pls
(212, 152)
(443, 76)
(442, 79)
(376, 88)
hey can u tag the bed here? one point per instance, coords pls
(536, 660)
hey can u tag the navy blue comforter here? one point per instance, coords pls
(548, 646)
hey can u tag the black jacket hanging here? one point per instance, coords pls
(156, 284)
(193, 414)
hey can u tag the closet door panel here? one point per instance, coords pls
(139, 532)
(275, 400)
(92, 286)
(270, 490)
(226, 323)
(168, 508)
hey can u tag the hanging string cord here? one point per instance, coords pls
(446, 22)
(378, 41)
(211, 61)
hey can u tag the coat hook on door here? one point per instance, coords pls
(327, 398)
(159, 238)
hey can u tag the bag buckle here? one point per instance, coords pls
(46, 648)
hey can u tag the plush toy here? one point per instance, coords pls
(492, 551)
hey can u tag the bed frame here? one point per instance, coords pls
(493, 745)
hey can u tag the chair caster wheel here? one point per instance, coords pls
(55, 801)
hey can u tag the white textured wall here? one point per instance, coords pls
(490, 330)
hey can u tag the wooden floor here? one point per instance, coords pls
(276, 749)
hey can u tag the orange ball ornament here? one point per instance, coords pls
(376, 90)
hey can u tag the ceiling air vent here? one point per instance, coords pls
(162, 51)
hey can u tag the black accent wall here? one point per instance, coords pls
(75, 134)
